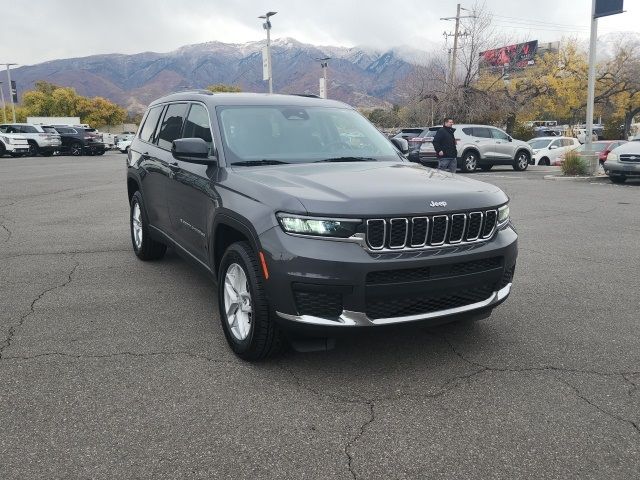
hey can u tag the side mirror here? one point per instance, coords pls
(553, 147)
(510, 138)
(401, 144)
(192, 150)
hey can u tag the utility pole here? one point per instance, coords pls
(13, 106)
(4, 113)
(455, 35)
(267, 26)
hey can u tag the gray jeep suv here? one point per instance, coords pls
(307, 233)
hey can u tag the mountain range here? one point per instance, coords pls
(360, 76)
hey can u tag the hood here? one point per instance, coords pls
(366, 189)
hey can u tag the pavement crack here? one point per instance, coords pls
(350, 443)
(581, 396)
(6, 229)
(633, 386)
(12, 330)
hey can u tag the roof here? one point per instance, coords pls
(250, 99)
(553, 138)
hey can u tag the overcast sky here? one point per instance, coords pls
(51, 29)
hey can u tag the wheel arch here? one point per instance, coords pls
(226, 231)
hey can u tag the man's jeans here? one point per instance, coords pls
(449, 164)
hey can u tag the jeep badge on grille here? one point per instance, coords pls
(437, 204)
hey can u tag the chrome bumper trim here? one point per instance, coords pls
(360, 319)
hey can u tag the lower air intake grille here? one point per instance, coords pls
(390, 308)
(318, 304)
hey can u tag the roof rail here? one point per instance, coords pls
(203, 91)
(308, 95)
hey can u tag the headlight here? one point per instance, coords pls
(6, 140)
(612, 156)
(503, 215)
(321, 227)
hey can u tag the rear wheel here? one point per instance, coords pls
(469, 162)
(618, 179)
(244, 309)
(46, 154)
(544, 161)
(144, 246)
(521, 162)
(76, 149)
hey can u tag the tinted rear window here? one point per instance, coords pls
(171, 125)
(149, 127)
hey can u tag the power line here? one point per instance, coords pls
(526, 20)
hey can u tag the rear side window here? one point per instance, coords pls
(171, 126)
(482, 132)
(149, 127)
(29, 129)
(197, 125)
(468, 131)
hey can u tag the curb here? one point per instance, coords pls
(597, 178)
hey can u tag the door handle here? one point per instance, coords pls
(145, 155)
(174, 166)
(477, 141)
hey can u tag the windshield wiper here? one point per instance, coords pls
(348, 159)
(254, 163)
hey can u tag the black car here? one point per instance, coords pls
(307, 234)
(78, 140)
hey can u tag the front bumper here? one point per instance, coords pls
(340, 273)
(622, 169)
(19, 148)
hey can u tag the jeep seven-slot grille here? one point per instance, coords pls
(416, 232)
(630, 158)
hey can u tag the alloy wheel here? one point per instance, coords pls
(237, 302)
(136, 223)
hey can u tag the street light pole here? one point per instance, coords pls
(13, 107)
(324, 63)
(267, 26)
(592, 80)
(4, 113)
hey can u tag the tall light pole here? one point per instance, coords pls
(13, 107)
(4, 113)
(269, 71)
(324, 86)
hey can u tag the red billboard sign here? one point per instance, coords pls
(512, 56)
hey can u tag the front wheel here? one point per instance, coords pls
(469, 162)
(144, 246)
(521, 161)
(618, 179)
(33, 149)
(244, 311)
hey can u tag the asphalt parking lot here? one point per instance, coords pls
(115, 368)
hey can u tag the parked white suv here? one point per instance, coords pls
(39, 140)
(485, 146)
(15, 145)
(546, 150)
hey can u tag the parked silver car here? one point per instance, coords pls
(483, 146)
(40, 141)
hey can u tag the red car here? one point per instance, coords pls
(602, 147)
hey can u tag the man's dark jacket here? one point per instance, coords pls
(445, 142)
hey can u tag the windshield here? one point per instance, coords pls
(267, 135)
(538, 144)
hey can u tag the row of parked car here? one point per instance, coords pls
(483, 146)
(26, 139)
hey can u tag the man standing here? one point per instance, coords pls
(444, 144)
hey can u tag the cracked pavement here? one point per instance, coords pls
(115, 368)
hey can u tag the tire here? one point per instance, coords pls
(3, 150)
(251, 333)
(618, 179)
(469, 162)
(521, 162)
(75, 149)
(100, 152)
(16, 155)
(46, 154)
(544, 162)
(486, 168)
(144, 246)
(33, 149)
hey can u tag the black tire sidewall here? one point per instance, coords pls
(236, 253)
